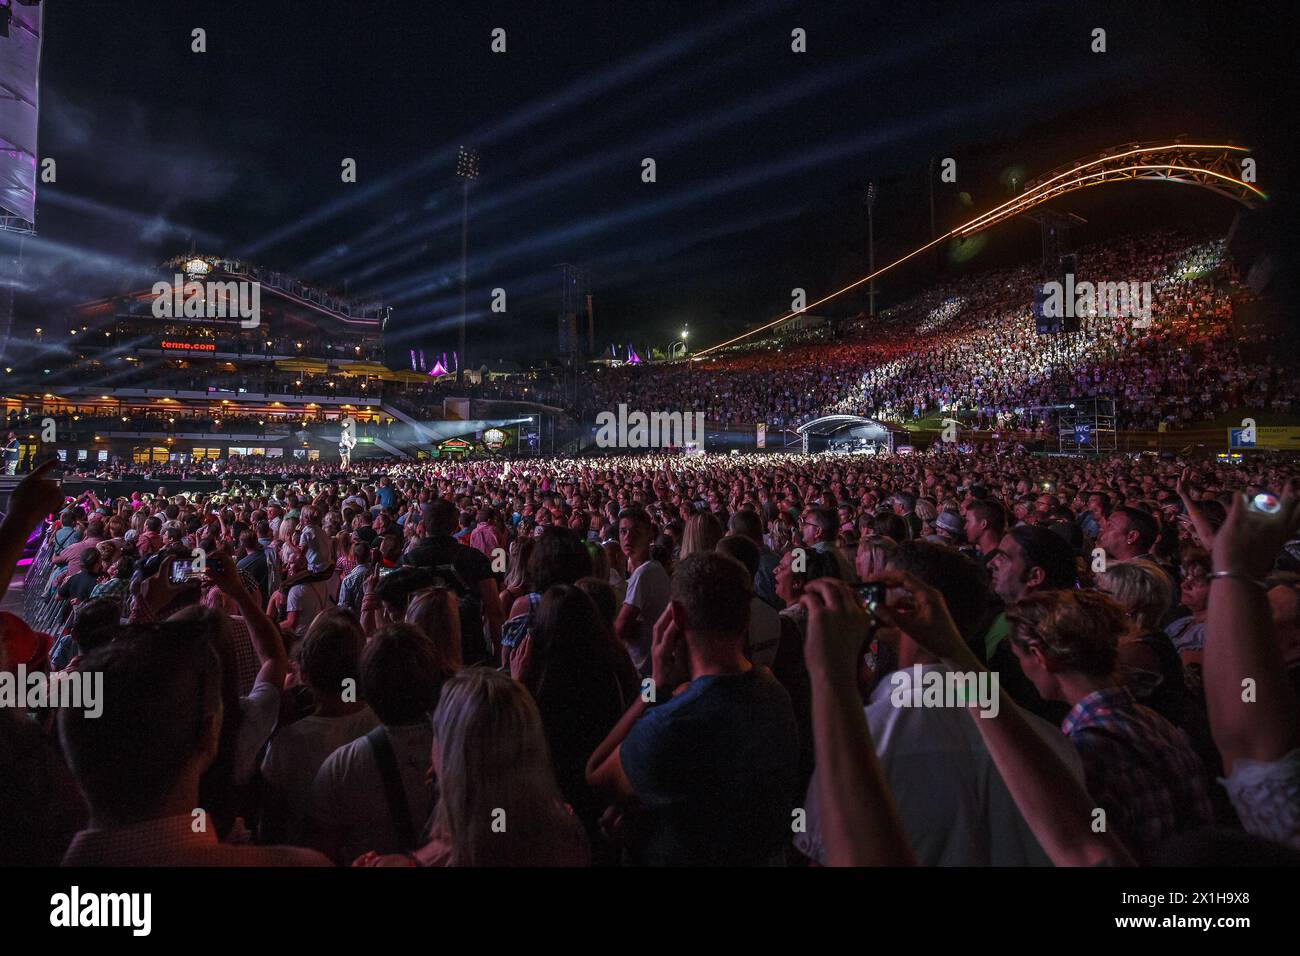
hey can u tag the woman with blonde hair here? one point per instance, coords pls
(1146, 593)
(703, 532)
(287, 534)
(498, 802)
(436, 613)
(872, 557)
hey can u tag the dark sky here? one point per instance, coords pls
(762, 154)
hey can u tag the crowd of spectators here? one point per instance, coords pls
(663, 661)
(970, 348)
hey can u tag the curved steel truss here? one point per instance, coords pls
(1214, 167)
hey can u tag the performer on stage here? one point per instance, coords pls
(347, 441)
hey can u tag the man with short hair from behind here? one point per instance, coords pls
(139, 761)
(712, 767)
(484, 537)
(748, 524)
(481, 615)
(372, 793)
(329, 659)
(253, 560)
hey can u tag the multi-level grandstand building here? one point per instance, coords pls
(217, 359)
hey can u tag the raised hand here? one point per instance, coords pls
(837, 626)
(923, 615)
(36, 496)
(668, 657)
(1249, 541)
(222, 572)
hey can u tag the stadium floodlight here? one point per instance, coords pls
(467, 167)
(467, 171)
(871, 243)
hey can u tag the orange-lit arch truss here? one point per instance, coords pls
(1214, 167)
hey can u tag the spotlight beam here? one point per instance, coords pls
(542, 110)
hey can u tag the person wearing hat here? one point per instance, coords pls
(948, 528)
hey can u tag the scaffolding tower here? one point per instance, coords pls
(1086, 426)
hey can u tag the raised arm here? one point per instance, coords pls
(861, 825)
(1252, 706)
(605, 773)
(36, 496)
(1054, 804)
(267, 640)
(1195, 513)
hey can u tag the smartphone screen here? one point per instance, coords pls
(872, 594)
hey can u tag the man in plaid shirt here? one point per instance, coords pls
(1140, 768)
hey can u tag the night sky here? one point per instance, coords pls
(762, 154)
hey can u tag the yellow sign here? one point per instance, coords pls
(1266, 439)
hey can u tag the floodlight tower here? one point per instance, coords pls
(871, 243)
(467, 172)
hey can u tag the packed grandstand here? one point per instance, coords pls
(966, 348)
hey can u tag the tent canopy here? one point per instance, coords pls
(828, 425)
